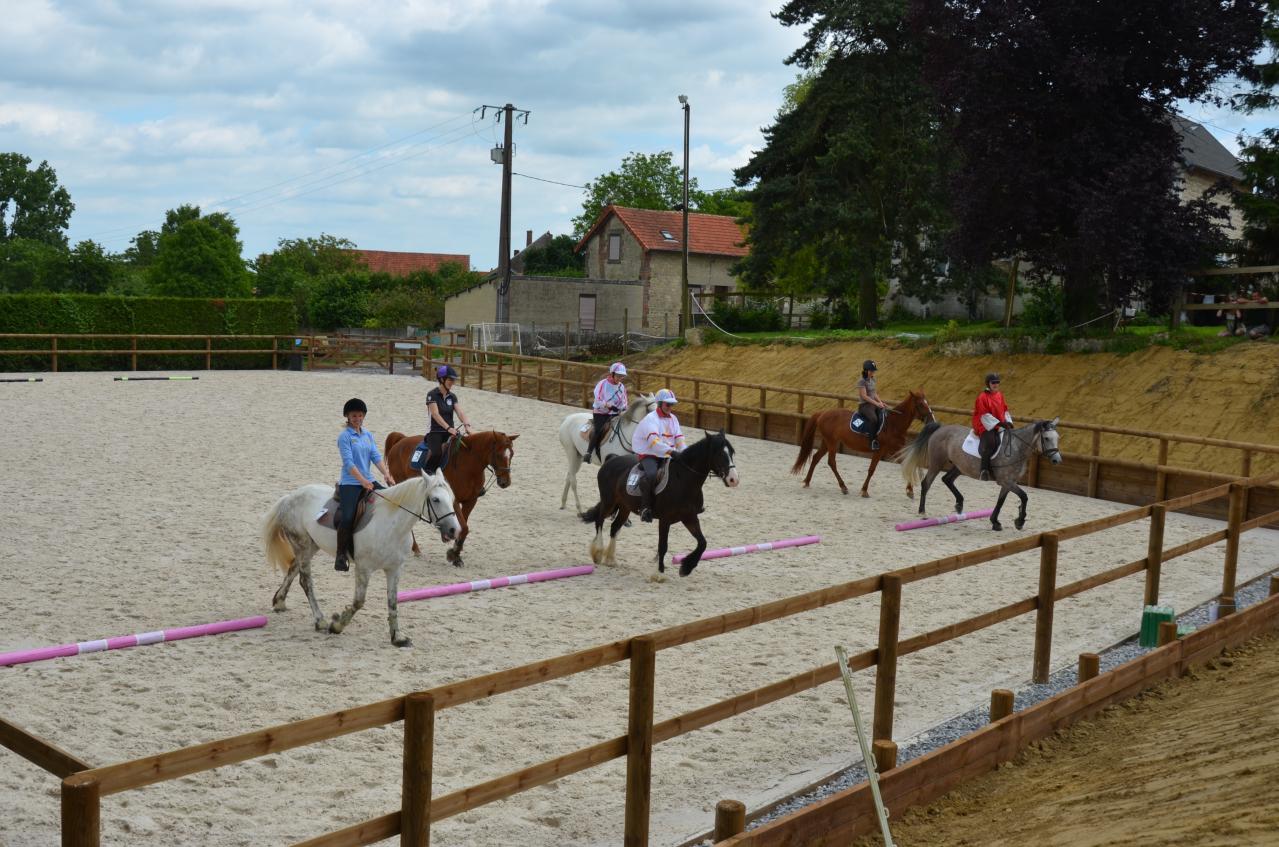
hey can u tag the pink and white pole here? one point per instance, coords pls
(955, 518)
(39, 654)
(723, 552)
(495, 582)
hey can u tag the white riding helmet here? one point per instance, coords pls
(666, 396)
(617, 368)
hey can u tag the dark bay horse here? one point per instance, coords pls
(680, 501)
(470, 460)
(834, 427)
(941, 448)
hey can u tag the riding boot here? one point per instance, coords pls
(346, 537)
(986, 472)
(646, 504)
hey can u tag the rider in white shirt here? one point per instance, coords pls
(610, 401)
(656, 438)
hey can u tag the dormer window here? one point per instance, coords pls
(666, 234)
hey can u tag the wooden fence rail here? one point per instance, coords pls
(82, 791)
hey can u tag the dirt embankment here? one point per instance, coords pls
(1232, 394)
(1191, 762)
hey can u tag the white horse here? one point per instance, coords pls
(575, 435)
(292, 536)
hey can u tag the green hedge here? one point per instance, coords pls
(106, 314)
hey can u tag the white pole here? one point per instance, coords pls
(868, 757)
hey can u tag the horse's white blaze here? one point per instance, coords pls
(731, 477)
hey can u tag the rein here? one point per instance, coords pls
(1030, 445)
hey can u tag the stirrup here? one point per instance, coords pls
(874, 444)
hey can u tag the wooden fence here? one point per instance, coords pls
(778, 413)
(82, 790)
(315, 351)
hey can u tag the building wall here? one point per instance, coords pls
(551, 301)
(475, 305)
(1197, 183)
(597, 264)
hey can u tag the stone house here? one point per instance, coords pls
(644, 245)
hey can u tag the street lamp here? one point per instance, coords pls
(685, 315)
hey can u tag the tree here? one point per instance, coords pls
(734, 202)
(1059, 111)
(554, 259)
(338, 300)
(844, 193)
(296, 261)
(32, 203)
(198, 256)
(644, 181)
(1259, 155)
(90, 270)
(28, 266)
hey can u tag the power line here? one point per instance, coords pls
(551, 181)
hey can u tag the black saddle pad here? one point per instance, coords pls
(859, 424)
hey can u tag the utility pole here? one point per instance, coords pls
(685, 311)
(504, 155)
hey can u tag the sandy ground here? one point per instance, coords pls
(135, 506)
(1191, 762)
(1232, 394)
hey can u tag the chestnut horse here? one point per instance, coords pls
(471, 458)
(835, 428)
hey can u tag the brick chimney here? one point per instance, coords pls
(528, 238)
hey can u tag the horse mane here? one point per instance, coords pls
(401, 491)
(700, 450)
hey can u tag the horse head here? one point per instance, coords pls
(501, 453)
(923, 412)
(640, 406)
(720, 456)
(437, 506)
(1049, 439)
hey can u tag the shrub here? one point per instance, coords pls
(750, 317)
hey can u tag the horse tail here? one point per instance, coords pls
(279, 552)
(391, 440)
(806, 443)
(592, 515)
(914, 456)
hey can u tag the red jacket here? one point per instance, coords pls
(988, 403)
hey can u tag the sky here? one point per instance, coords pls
(358, 119)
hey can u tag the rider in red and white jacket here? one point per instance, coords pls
(655, 438)
(990, 414)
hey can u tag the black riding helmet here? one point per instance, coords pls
(992, 377)
(869, 365)
(355, 404)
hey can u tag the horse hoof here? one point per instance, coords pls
(843, 491)
(686, 569)
(402, 641)
(864, 494)
(321, 626)
(1019, 523)
(278, 607)
(661, 567)
(997, 527)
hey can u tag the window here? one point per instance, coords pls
(586, 312)
(666, 233)
(615, 247)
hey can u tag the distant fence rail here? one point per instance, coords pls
(778, 413)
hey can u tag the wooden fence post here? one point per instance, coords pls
(1274, 586)
(419, 751)
(81, 811)
(890, 608)
(697, 403)
(1094, 469)
(639, 740)
(728, 409)
(799, 421)
(562, 383)
(1167, 632)
(1032, 470)
(1245, 470)
(565, 339)
(763, 415)
(133, 359)
(730, 819)
(1155, 553)
(1232, 546)
(390, 356)
(1089, 666)
(1161, 478)
(1044, 616)
(885, 753)
(54, 351)
(1001, 704)
(208, 353)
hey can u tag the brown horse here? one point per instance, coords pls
(470, 460)
(835, 428)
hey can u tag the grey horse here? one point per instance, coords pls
(941, 448)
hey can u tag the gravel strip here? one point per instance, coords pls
(975, 719)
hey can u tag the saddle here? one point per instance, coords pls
(327, 517)
(972, 444)
(861, 425)
(636, 476)
(421, 453)
(612, 431)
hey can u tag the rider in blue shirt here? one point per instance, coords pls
(358, 449)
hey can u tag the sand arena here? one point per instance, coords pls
(135, 506)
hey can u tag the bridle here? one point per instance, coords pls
(420, 514)
(493, 468)
(1038, 437)
(723, 475)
